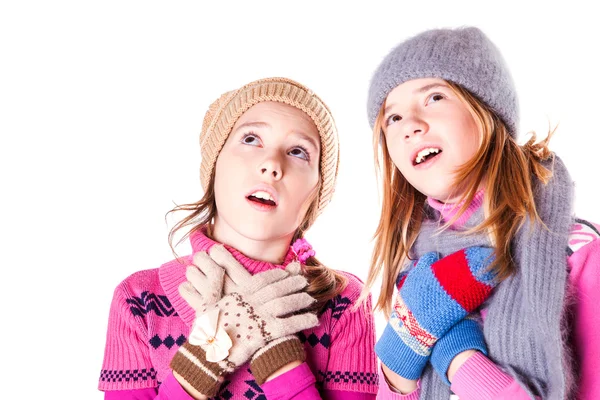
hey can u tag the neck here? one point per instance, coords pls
(449, 210)
(272, 250)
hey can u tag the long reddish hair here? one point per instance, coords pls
(508, 169)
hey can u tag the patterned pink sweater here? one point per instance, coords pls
(479, 378)
(148, 322)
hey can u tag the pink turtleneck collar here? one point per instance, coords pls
(172, 274)
(201, 242)
(449, 210)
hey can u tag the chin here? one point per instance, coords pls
(260, 230)
(437, 191)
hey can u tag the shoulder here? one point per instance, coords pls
(139, 281)
(582, 235)
(345, 302)
(353, 286)
(583, 259)
(151, 279)
(150, 290)
(137, 291)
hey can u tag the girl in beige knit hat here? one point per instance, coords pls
(251, 311)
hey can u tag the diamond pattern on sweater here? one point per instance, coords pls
(147, 302)
(352, 377)
(160, 324)
(135, 375)
(254, 391)
(156, 341)
(313, 340)
(224, 393)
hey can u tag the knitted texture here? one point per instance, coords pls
(248, 316)
(524, 327)
(275, 355)
(149, 321)
(227, 109)
(490, 381)
(282, 347)
(434, 296)
(464, 56)
(465, 335)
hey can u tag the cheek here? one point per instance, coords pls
(471, 140)
(398, 155)
(231, 161)
(303, 185)
(225, 177)
(307, 183)
(220, 172)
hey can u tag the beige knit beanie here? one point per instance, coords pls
(225, 111)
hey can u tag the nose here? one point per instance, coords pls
(414, 126)
(270, 168)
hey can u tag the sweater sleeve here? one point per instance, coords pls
(352, 365)
(127, 370)
(169, 390)
(480, 378)
(127, 364)
(297, 384)
(585, 282)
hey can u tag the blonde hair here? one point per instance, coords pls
(504, 168)
(323, 283)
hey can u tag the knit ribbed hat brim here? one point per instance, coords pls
(464, 56)
(227, 109)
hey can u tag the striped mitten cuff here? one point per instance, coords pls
(190, 362)
(276, 354)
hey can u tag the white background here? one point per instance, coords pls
(101, 105)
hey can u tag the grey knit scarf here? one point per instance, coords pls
(526, 312)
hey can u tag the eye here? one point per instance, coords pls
(392, 118)
(300, 152)
(435, 97)
(251, 139)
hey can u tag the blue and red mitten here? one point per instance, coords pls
(434, 296)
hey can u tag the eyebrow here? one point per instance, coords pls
(253, 124)
(312, 141)
(422, 89)
(430, 86)
(259, 124)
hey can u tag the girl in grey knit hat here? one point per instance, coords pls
(456, 188)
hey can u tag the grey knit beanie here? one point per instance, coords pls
(464, 56)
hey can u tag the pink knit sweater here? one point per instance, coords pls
(479, 378)
(148, 322)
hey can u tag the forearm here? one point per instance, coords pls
(387, 391)
(397, 382)
(283, 370)
(189, 388)
(457, 362)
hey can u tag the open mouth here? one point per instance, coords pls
(261, 197)
(426, 155)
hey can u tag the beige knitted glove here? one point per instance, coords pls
(249, 316)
